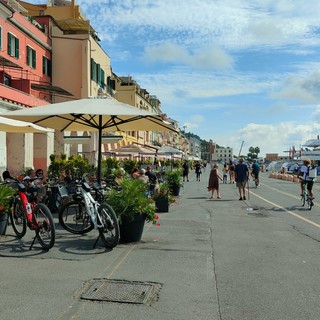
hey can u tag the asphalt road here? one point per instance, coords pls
(210, 259)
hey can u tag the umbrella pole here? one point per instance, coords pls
(99, 149)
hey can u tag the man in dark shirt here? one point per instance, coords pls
(152, 179)
(241, 177)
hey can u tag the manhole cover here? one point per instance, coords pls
(121, 291)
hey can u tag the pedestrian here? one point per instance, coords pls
(231, 172)
(241, 177)
(185, 172)
(198, 170)
(135, 173)
(152, 179)
(213, 184)
(225, 173)
(143, 176)
(7, 178)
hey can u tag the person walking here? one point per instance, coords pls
(185, 173)
(213, 183)
(225, 173)
(231, 171)
(241, 177)
(198, 170)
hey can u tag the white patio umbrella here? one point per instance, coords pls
(16, 126)
(131, 148)
(169, 150)
(93, 114)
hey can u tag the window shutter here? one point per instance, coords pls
(9, 44)
(49, 68)
(17, 48)
(98, 74)
(34, 59)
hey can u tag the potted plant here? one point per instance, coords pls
(6, 195)
(162, 197)
(133, 208)
(174, 179)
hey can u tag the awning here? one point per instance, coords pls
(7, 63)
(50, 89)
(86, 139)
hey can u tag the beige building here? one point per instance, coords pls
(129, 91)
(79, 65)
(82, 68)
(223, 154)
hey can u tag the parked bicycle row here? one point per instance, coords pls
(82, 207)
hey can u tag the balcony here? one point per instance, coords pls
(19, 98)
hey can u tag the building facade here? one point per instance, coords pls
(25, 82)
(224, 155)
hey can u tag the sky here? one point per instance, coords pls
(231, 71)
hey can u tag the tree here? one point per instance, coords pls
(253, 152)
(257, 151)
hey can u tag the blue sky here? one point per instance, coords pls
(228, 70)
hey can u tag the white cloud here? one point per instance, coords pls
(271, 138)
(213, 58)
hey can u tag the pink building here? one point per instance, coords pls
(25, 81)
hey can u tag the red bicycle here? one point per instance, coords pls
(27, 211)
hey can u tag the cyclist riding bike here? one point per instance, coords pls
(305, 180)
(255, 169)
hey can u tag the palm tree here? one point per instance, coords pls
(256, 151)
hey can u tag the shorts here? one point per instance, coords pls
(309, 184)
(241, 184)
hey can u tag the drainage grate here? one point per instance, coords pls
(121, 291)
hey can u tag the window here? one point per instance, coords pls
(13, 46)
(46, 66)
(31, 57)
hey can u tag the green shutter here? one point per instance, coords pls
(98, 74)
(16, 47)
(28, 56)
(93, 70)
(34, 59)
(9, 44)
(102, 83)
(49, 68)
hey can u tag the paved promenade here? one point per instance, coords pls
(207, 260)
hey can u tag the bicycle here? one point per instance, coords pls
(27, 211)
(84, 214)
(305, 198)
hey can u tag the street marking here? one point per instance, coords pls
(288, 211)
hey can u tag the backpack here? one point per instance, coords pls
(312, 172)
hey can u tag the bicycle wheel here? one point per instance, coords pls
(46, 232)
(110, 232)
(18, 219)
(73, 217)
(310, 203)
(303, 200)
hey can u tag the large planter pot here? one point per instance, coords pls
(162, 204)
(3, 223)
(131, 231)
(175, 188)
